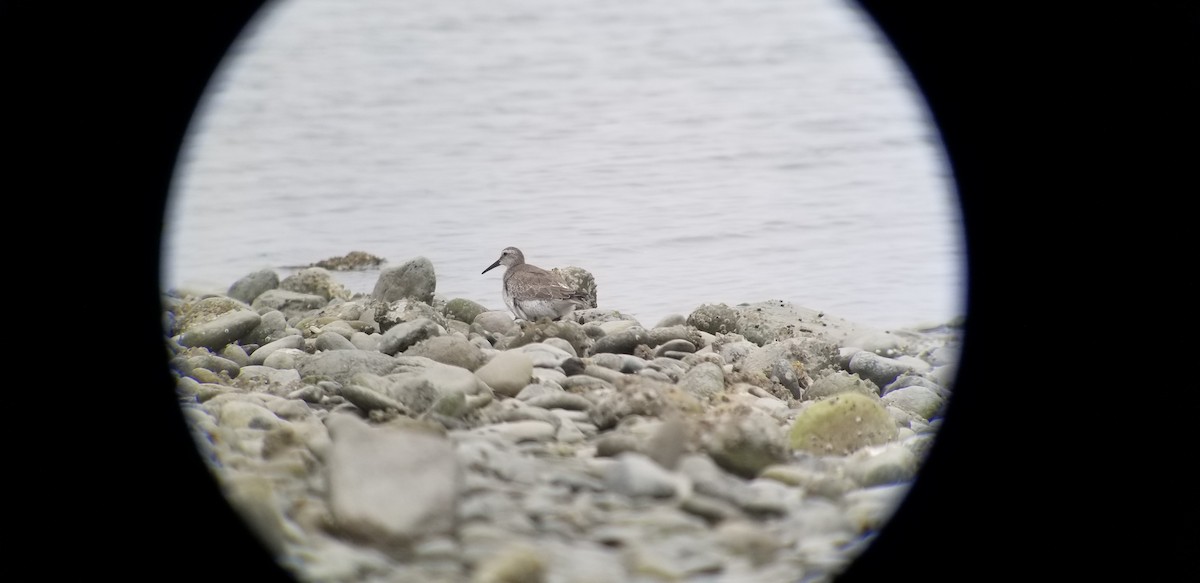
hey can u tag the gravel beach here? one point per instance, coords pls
(401, 436)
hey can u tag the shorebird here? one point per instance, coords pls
(532, 292)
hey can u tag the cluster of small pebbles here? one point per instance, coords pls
(398, 436)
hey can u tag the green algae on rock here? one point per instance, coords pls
(842, 424)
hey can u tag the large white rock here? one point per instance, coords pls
(391, 485)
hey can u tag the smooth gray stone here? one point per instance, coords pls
(292, 304)
(547, 355)
(660, 335)
(668, 443)
(496, 322)
(613, 443)
(520, 431)
(225, 329)
(889, 464)
(704, 380)
(623, 342)
(452, 350)
(507, 373)
(909, 379)
(656, 375)
(561, 344)
(413, 391)
(368, 399)
(916, 399)
(871, 508)
(272, 327)
(602, 373)
(368, 467)
(636, 475)
(766, 497)
(669, 366)
(879, 369)
(260, 355)
(284, 358)
(745, 440)
(709, 479)
(709, 508)
(251, 286)
(340, 365)
(445, 378)
(624, 363)
(671, 320)
(534, 390)
(344, 328)
(413, 279)
(549, 376)
(560, 400)
(585, 383)
(215, 364)
(235, 353)
(735, 351)
(400, 337)
(364, 341)
(677, 345)
(333, 341)
(518, 412)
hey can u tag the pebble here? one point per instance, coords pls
(596, 451)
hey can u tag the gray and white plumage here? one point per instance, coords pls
(532, 292)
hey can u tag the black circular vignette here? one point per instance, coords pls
(103, 101)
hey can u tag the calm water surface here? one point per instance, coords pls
(683, 152)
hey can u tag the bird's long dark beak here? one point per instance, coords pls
(491, 267)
